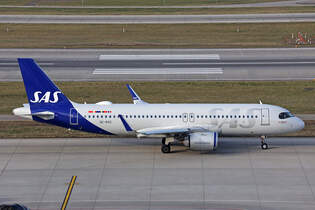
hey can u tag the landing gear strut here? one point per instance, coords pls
(166, 146)
(264, 145)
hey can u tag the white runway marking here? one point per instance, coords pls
(159, 71)
(243, 63)
(161, 57)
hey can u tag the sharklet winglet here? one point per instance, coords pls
(136, 99)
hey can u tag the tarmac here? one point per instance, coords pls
(290, 3)
(158, 19)
(164, 64)
(120, 173)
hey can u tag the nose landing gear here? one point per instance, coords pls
(264, 145)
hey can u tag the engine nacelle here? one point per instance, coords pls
(202, 141)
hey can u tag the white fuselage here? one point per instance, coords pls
(227, 119)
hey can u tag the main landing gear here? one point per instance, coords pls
(166, 146)
(264, 145)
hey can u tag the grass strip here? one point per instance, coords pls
(155, 11)
(297, 96)
(244, 35)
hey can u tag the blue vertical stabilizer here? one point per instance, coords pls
(42, 93)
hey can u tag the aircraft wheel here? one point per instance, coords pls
(166, 148)
(264, 146)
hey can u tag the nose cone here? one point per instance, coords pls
(299, 124)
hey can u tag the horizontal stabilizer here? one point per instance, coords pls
(46, 115)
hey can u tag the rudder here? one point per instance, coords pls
(42, 93)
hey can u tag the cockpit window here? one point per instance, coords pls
(285, 115)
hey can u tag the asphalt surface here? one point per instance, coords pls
(157, 19)
(263, 4)
(165, 65)
(133, 174)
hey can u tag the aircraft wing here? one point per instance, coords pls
(169, 131)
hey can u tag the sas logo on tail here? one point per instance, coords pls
(45, 98)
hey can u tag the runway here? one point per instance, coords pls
(290, 3)
(158, 19)
(123, 173)
(165, 65)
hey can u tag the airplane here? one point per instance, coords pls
(197, 126)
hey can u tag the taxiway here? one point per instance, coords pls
(158, 19)
(117, 173)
